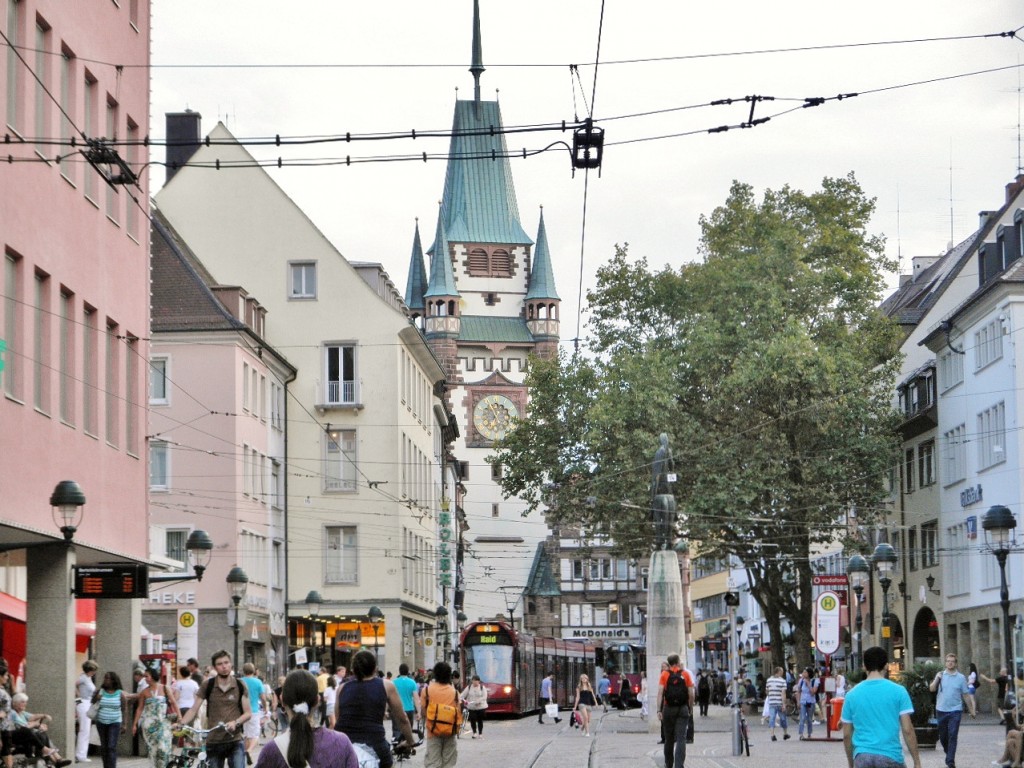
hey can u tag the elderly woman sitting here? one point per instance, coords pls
(30, 733)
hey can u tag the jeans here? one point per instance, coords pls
(777, 711)
(864, 760)
(109, 734)
(675, 721)
(949, 729)
(232, 751)
(806, 717)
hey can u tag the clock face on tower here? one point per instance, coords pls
(493, 415)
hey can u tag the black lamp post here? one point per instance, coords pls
(198, 550)
(238, 583)
(858, 572)
(313, 603)
(740, 621)
(67, 501)
(376, 616)
(441, 614)
(998, 524)
(884, 559)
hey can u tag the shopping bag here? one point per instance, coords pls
(551, 710)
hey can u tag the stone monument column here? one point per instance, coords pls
(665, 615)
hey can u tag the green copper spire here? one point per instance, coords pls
(442, 276)
(542, 277)
(477, 67)
(416, 284)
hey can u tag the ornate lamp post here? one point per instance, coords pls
(238, 583)
(441, 615)
(313, 603)
(858, 572)
(884, 559)
(998, 524)
(67, 501)
(376, 616)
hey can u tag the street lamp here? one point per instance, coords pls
(238, 582)
(67, 501)
(198, 550)
(858, 572)
(740, 621)
(884, 559)
(313, 603)
(998, 524)
(376, 616)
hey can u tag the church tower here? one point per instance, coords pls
(489, 306)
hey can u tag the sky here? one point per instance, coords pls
(933, 154)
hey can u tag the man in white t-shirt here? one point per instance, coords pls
(775, 697)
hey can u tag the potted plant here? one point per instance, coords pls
(916, 680)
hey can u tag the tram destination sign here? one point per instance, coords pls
(122, 580)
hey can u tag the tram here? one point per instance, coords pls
(511, 665)
(625, 660)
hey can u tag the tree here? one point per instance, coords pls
(770, 367)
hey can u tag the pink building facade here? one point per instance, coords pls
(74, 320)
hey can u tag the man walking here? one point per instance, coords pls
(604, 689)
(675, 703)
(775, 697)
(227, 701)
(546, 697)
(257, 698)
(408, 691)
(875, 712)
(949, 704)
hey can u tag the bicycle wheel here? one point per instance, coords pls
(269, 728)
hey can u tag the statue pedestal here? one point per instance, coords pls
(665, 623)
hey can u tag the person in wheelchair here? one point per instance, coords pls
(30, 736)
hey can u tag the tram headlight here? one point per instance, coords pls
(507, 689)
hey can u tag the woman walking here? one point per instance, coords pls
(475, 698)
(85, 687)
(151, 710)
(303, 745)
(806, 694)
(585, 699)
(111, 698)
(972, 685)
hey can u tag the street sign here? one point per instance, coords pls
(124, 580)
(826, 622)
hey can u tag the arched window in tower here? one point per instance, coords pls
(496, 262)
(479, 263)
(553, 312)
(529, 312)
(501, 263)
(439, 309)
(451, 307)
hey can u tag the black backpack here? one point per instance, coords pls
(676, 694)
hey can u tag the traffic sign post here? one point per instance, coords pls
(826, 640)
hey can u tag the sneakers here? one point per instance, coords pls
(785, 737)
(774, 737)
(558, 719)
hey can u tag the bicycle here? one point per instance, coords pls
(269, 727)
(744, 732)
(194, 756)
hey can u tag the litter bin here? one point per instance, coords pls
(834, 713)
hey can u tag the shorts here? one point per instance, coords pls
(251, 727)
(583, 707)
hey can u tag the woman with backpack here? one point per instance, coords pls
(703, 693)
(585, 699)
(442, 717)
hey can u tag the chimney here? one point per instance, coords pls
(182, 139)
(1014, 187)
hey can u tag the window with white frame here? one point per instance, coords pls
(926, 463)
(245, 386)
(340, 461)
(340, 374)
(991, 436)
(956, 577)
(254, 556)
(277, 565)
(908, 471)
(955, 454)
(275, 484)
(930, 544)
(341, 565)
(175, 540)
(951, 369)
(988, 344)
(159, 466)
(158, 394)
(302, 279)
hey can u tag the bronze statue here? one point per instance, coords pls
(663, 502)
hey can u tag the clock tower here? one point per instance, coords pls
(489, 305)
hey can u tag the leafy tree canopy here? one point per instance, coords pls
(769, 366)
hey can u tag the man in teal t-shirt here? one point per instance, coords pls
(251, 729)
(409, 693)
(875, 711)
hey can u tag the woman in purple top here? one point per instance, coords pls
(302, 744)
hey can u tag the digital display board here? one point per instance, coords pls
(124, 580)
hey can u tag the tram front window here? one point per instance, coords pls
(624, 662)
(492, 663)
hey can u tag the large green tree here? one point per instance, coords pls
(767, 363)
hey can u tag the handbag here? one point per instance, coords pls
(94, 710)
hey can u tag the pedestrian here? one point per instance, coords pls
(642, 697)
(152, 708)
(257, 695)
(112, 700)
(227, 702)
(442, 751)
(475, 699)
(625, 692)
(775, 698)
(972, 683)
(85, 687)
(703, 692)
(6, 721)
(408, 692)
(303, 745)
(604, 687)
(585, 699)
(806, 694)
(1002, 681)
(361, 703)
(675, 703)
(185, 688)
(875, 712)
(546, 697)
(951, 686)
(31, 733)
